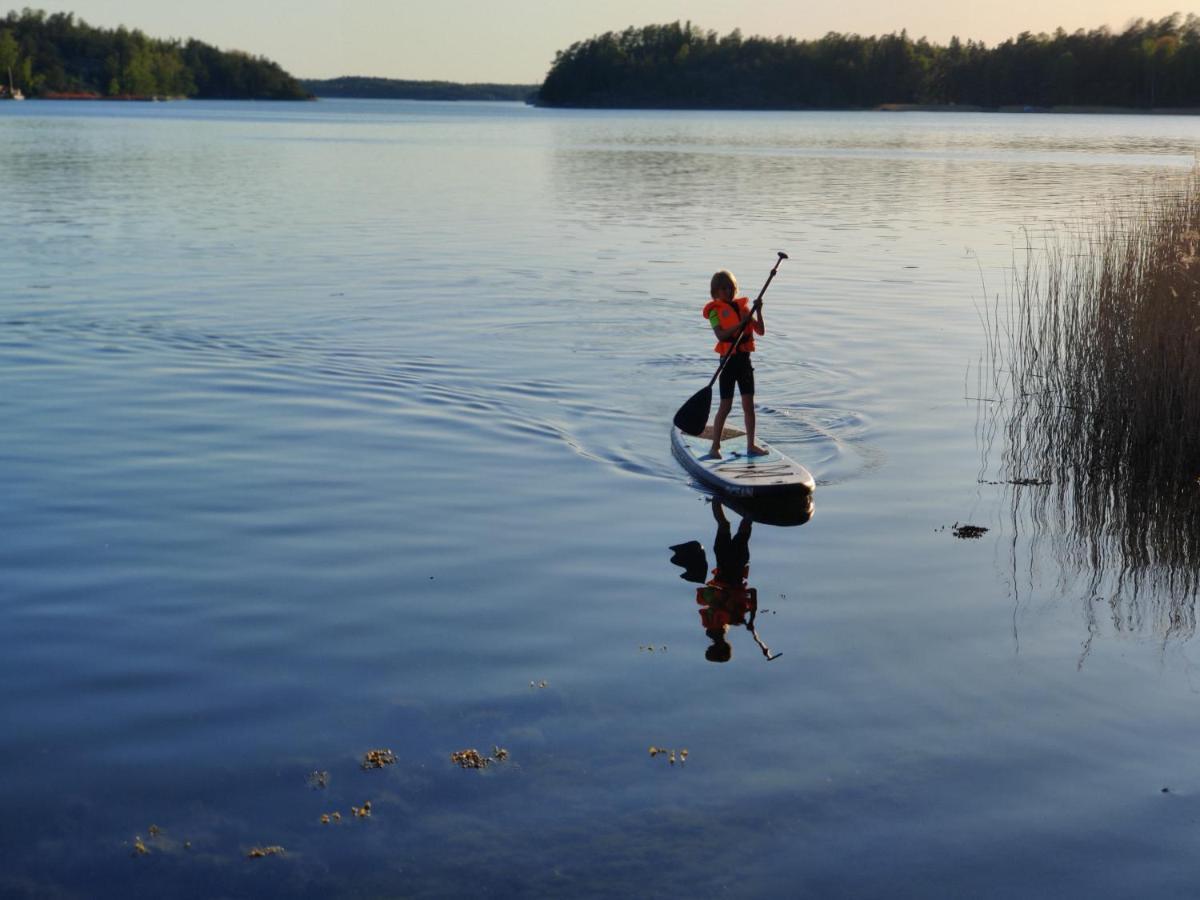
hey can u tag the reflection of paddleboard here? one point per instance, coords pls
(734, 473)
(778, 509)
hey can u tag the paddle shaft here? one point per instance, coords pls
(741, 332)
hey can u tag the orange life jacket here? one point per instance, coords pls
(723, 606)
(721, 593)
(727, 317)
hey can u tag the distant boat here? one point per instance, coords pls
(17, 95)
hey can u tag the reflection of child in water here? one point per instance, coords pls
(726, 599)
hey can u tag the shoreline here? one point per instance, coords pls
(1053, 110)
(89, 97)
(901, 108)
(85, 96)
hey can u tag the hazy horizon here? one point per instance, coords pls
(514, 42)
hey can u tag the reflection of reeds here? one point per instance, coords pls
(1097, 355)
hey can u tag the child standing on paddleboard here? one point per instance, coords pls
(730, 316)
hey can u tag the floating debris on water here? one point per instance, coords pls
(260, 852)
(1020, 482)
(377, 759)
(139, 846)
(968, 532)
(318, 780)
(473, 759)
(357, 812)
(539, 684)
(672, 755)
(470, 759)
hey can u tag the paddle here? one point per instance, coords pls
(693, 415)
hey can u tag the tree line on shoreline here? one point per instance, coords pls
(398, 89)
(1151, 64)
(58, 55)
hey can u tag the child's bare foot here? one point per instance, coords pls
(714, 452)
(756, 450)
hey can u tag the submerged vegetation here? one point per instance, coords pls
(1095, 362)
(58, 55)
(1152, 63)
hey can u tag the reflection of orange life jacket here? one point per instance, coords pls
(727, 317)
(724, 604)
(720, 580)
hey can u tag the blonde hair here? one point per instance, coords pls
(723, 279)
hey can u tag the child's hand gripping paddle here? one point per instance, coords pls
(693, 415)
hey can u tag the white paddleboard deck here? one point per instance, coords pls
(733, 472)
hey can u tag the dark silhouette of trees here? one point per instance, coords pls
(396, 89)
(61, 54)
(1152, 63)
(10, 56)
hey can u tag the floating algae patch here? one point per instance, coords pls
(157, 841)
(473, 759)
(318, 780)
(377, 759)
(260, 852)
(670, 754)
(968, 532)
(470, 759)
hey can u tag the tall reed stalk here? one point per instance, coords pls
(1096, 355)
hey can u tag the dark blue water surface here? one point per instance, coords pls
(341, 426)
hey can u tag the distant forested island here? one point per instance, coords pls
(1151, 64)
(394, 89)
(57, 55)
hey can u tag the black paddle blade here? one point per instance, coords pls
(693, 415)
(691, 558)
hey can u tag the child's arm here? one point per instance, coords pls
(760, 327)
(728, 334)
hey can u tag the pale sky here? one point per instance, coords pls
(514, 41)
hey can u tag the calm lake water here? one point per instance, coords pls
(342, 426)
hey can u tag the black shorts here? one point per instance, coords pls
(737, 371)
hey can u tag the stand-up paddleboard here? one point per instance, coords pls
(735, 474)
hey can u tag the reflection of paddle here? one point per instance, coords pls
(690, 557)
(693, 415)
(766, 651)
(763, 647)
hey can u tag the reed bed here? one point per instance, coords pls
(1094, 355)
